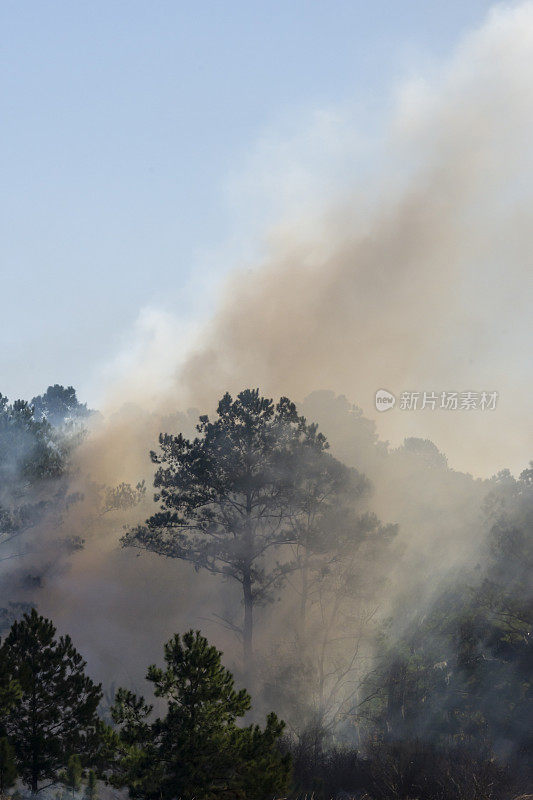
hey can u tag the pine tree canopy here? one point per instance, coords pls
(55, 716)
(196, 750)
(232, 500)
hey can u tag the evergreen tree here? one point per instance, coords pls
(56, 714)
(29, 448)
(59, 404)
(10, 690)
(91, 790)
(196, 750)
(71, 777)
(230, 499)
(8, 767)
(32, 454)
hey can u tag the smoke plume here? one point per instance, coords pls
(418, 279)
(422, 284)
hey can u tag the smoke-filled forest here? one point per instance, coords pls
(266, 497)
(284, 606)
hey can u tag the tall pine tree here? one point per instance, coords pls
(55, 716)
(230, 499)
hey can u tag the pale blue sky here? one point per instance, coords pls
(122, 124)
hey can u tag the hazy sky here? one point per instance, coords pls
(127, 129)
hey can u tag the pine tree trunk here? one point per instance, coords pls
(305, 589)
(247, 638)
(248, 625)
(35, 755)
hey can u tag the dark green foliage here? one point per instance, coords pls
(10, 690)
(71, 777)
(264, 771)
(196, 751)
(8, 767)
(56, 714)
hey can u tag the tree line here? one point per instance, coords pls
(435, 706)
(51, 729)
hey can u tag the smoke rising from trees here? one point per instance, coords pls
(420, 284)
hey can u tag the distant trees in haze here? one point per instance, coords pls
(59, 405)
(34, 462)
(29, 447)
(461, 673)
(39, 488)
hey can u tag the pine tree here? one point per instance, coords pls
(91, 790)
(28, 445)
(196, 750)
(229, 498)
(59, 404)
(10, 690)
(71, 777)
(8, 767)
(32, 454)
(56, 714)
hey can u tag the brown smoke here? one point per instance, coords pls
(428, 290)
(420, 284)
